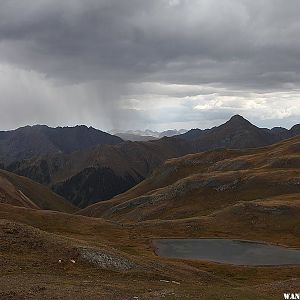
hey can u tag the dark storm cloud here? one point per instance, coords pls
(249, 43)
(237, 45)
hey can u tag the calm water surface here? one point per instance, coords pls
(227, 251)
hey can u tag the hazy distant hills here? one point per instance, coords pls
(146, 135)
(135, 137)
(36, 141)
(84, 173)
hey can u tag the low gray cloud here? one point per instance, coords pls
(157, 64)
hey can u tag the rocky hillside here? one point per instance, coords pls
(200, 184)
(20, 191)
(99, 173)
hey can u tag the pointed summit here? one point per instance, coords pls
(238, 121)
(237, 118)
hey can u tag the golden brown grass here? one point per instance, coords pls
(37, 195)
(198, 184)
(198, 280)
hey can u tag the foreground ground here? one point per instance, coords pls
(51, 255)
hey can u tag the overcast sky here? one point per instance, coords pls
(156, 64)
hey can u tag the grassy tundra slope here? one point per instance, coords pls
(52, 255)
(21, 191)
(201, 184)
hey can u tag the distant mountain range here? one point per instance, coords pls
(86, 165)
(237, 133)
(146, 135)
(135, 137)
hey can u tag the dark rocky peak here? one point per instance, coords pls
(295, 130)
(279, 130)
(238, 121)
(191, 134)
